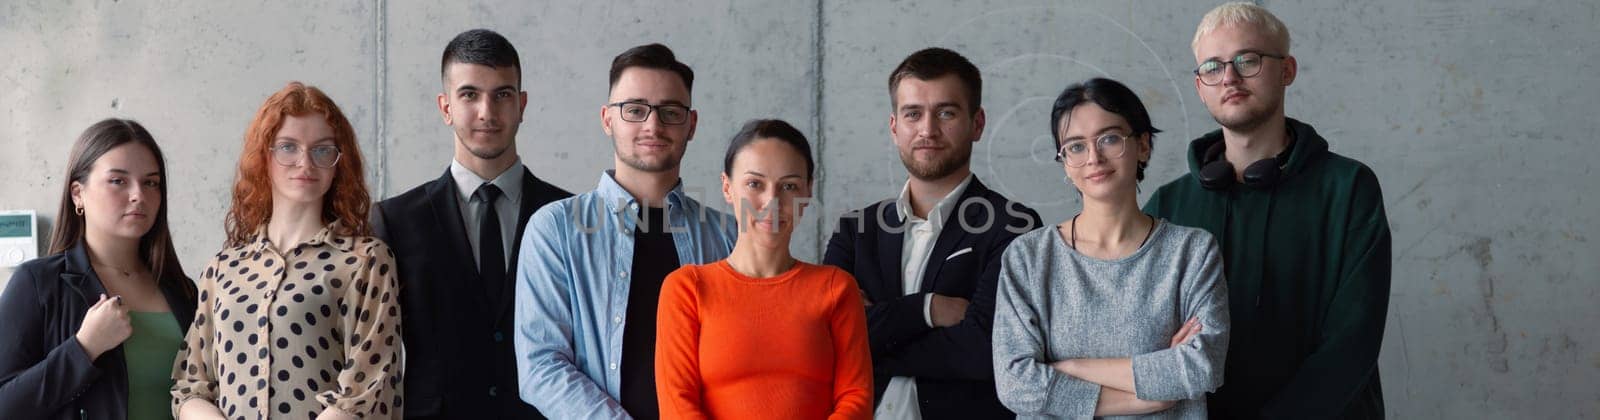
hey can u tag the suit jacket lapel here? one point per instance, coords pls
(531, 201)
(444, 199)
(954, 231)
(79, 275)
(891, 240)
(184, 313)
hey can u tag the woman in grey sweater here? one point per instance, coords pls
(1111, 312)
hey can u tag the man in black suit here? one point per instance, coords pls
(455, 238)
(927, 262)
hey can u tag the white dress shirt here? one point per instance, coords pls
(508, 206)
(900, 398)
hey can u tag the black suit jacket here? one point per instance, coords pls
(953, 365)
(44, 372)
(460, 362)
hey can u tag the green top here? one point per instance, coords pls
(1308, 267)
(150, 352)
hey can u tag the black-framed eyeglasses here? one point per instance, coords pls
(289, 154)
(1076, 152)
(1247, 65)
(669, 114)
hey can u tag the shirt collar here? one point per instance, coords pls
(943, 207)
(467, 183)
(618, 199)
(328, 235)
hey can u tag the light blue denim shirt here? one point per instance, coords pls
(572, 293)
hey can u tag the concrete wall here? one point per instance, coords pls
(1476, 116)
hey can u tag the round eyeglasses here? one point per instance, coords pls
(290, 154)
(1076, 152)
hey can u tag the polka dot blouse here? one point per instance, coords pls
(284, 335)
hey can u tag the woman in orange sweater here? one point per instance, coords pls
(760, 334)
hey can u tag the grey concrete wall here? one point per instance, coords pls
(1476, 116)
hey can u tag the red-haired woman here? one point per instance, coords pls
(298, 316)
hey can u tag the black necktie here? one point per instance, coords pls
(491, 254)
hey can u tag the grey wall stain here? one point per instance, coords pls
(1479, 250)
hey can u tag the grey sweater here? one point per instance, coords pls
(1055, 304)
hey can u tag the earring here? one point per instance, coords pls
(79, 210)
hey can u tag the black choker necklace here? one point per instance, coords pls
(1073, 231)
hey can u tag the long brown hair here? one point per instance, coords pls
(346, 201)
(155, 247)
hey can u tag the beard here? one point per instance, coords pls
(960, 155)
(644, 164)
(486, 152)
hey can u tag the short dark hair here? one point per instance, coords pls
(933, 63)
(651, 56)
(769, 129)
(481, 47)
(1110, 95)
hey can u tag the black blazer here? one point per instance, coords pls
(44, 372)
(953, 365)
(460, 362)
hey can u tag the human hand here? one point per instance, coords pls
(1189, 330)
(947, 311)
(104, 327)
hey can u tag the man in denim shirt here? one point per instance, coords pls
(591, 266)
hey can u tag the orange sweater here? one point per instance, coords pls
(788, 347)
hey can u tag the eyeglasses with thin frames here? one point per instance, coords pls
(1246, 65)
(1076, 152)
(291, 154)
(669, 114)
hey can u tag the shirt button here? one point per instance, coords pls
(499, 337)
(616, 319)
(623, 274)
(493, 392)
(613, 366)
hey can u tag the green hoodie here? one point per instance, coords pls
(1308, 266)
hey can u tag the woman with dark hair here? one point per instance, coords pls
(1113, 312)
(91, 330)
(298, 316)
(761, 335)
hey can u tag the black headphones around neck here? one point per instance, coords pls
(1216, 173)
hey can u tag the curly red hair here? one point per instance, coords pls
(346, 201)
